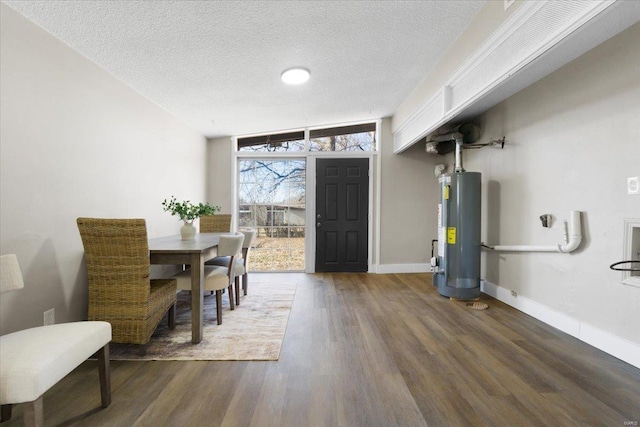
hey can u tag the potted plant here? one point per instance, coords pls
(188, 212)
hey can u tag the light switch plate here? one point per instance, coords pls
(633, 185)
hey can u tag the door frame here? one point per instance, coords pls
(373, 232)
(374, 198)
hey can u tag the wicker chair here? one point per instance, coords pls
(120, 291)
(215, 223)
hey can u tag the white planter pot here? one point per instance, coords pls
(188, 231)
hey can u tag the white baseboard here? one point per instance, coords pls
(402, 268)
(618, 347)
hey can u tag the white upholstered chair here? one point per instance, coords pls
(34, 360)
(242, 264)
(217, 278)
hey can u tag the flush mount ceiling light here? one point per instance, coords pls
(295, 75)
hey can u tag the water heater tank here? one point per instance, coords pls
(457, 271)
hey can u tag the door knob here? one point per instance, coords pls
(319, 216)
(319, 224)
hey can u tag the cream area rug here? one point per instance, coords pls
(253, 331)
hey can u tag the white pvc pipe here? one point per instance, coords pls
(575, 233)
(572, 238)
(525, 248)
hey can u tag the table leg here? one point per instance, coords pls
(197, 294)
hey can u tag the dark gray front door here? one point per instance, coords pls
(342, 207)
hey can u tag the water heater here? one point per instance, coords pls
(457, 264)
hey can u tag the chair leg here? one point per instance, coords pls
(232, 306)
(6, 412)
(104, 369)
(34, 413)
(245, 277)
(172, 317)
(219, 307)
(237, 290)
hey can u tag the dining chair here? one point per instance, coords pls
(120, 290)
(33, 360)
(217, 278)
(220, 223)
(241, 265)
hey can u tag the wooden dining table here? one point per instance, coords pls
(174, 250)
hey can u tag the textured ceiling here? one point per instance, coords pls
(216, 65)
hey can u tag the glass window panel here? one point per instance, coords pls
(273, 143)
(296, 259)
(297, 232)
(344, 138)
(295, 216)
(261, 259)
(280, 237)
(279, 261)
(277, 217)
(353, 142)
(282, 147)
(281, 251)
(246, 193)
(246, 169)
(262, 214)
(338, 138)
(246, 219)
(272, 199)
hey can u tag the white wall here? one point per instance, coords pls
(76, 142)
(219, 169)
(573, 138)
(409, 189)
(490, 17)
(408, 214)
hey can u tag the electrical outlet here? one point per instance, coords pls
(50, 317)
(633, 185)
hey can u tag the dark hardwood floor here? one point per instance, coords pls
(371, 350)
